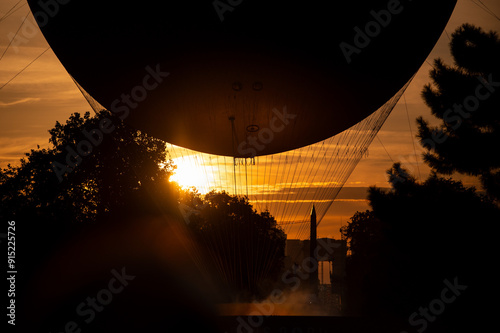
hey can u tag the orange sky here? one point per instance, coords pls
(44, 93)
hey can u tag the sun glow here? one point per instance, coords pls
(193, 171)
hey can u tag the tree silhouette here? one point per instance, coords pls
(364, 236)
(245, 248)
(117, 178)
(114, 209)
(416, 236)
(123, 174)
(122, 162)
(466, 98)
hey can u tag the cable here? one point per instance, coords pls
(481, 5)
(12, 10)
(14, 37)
(385, 148)
(22, 70)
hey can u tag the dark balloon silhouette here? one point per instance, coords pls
(288, 73)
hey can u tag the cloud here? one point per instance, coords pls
(19, 101)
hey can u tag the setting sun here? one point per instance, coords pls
(192, 171)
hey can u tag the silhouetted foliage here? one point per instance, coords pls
(365, 242)
(245, 248)
(466, 98)
(416, 236)
(125, 178)
(123, 162)
(362, 234)
(121, 176)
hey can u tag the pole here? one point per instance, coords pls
(313, 276)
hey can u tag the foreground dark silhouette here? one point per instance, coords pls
(465, 97)
(244, 249)
(113, 216)
(107, 248)
(424, 255)
(416, 237)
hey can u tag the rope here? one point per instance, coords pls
(481, 5)
(12, 10)
(385, 149)
(14, 37)
(22, 70)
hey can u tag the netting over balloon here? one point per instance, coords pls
(286, 184)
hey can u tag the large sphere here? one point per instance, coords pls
(242, 78)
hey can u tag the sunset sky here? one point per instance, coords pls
(44, 93)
